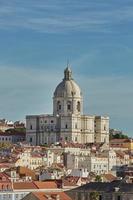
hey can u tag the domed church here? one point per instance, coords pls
(67, 123)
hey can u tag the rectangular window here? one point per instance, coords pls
(100, 197)
(69, 107)
(119, 197)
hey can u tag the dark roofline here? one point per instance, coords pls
(106, 187)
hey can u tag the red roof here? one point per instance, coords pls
(45, 196)
(24, 185)
(45, 185)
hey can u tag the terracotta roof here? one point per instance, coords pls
(45, 185)
(4, 177)
(45, 196)
(120, 140)
(121, 154)
(24, 185)
(70, 181)
(5, 165)
(12, 133)
(109, 177)
(23, 171)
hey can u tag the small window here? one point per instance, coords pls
(45, 121)
(104, 127)
(30, 139)
(52, 121)
(69, 107)
(58, 106)
(66, 126)
(118, 197)
(78, 106)
(66, 138)
(31, 127)
(100, 197)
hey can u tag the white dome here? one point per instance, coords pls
(68, 87)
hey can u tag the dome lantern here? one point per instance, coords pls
(67, 74)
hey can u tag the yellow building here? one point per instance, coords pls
(122, 143)
(29, 160)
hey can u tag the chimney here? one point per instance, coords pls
(57, 197)
(116, 189)
(49, 197)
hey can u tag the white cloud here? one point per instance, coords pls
(55, 16)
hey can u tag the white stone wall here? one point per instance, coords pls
(101, 129)
(98, 165)
(32, 129)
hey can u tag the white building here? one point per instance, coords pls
(29, 160)
(97, 164)
(67, 122)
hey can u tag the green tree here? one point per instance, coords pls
(118, 136)
(94, 195)
(5, 145)
(98, 178)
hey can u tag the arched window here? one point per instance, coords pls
(78, 106)
(7, 187)
(58, 105)
(104, 127)
(69, 105)
(2, 187)
(66, 126)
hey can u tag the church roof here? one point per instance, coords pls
(68, 87)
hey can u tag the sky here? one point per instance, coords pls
(38, 37)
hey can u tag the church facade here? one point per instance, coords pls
(67, 123)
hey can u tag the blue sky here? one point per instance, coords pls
(37, 38)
